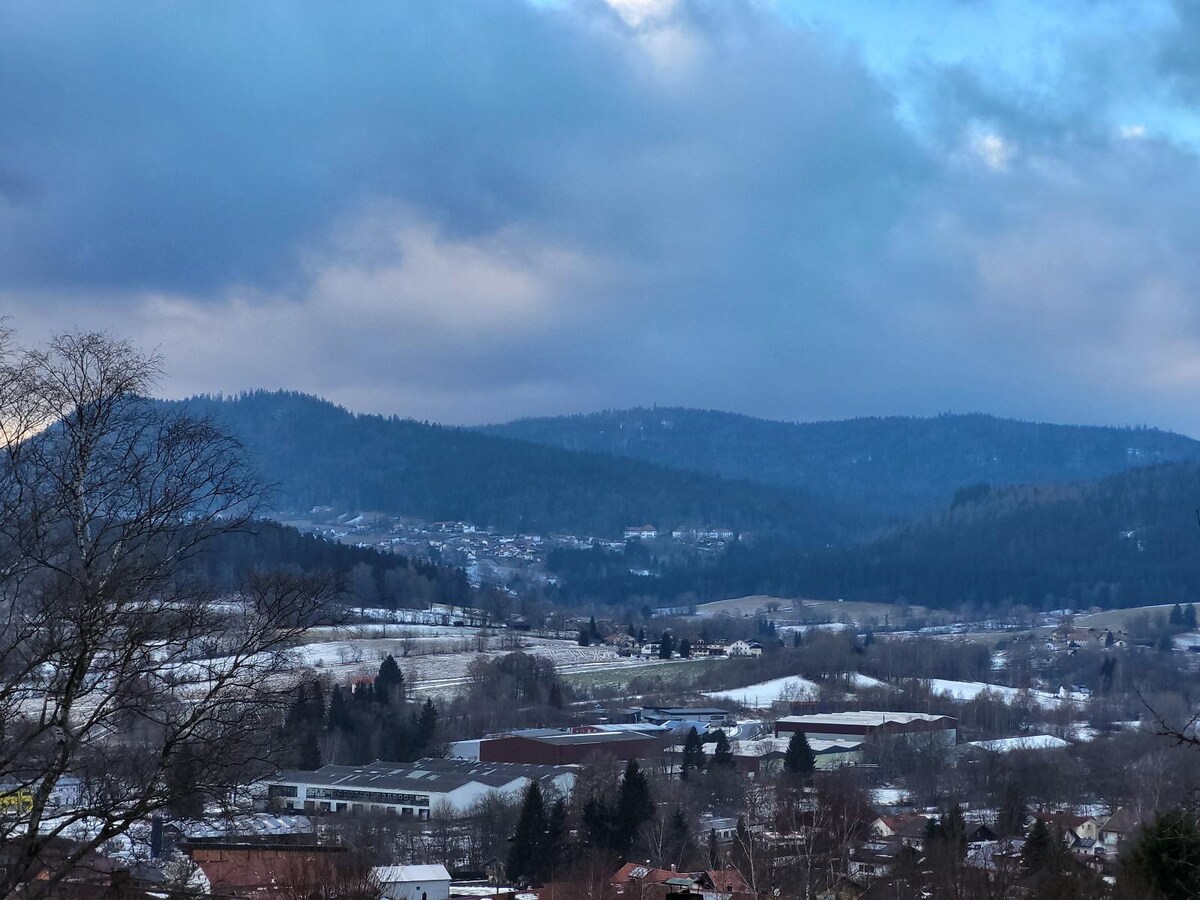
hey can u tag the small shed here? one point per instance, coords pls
(412, 882)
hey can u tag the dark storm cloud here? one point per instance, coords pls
(472, 211)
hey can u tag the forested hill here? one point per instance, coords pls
(1126, 540)
(320, 454)
(896, 466)
(381, 579)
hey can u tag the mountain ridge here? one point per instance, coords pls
(899, 466)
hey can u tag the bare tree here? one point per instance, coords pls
(120, 677)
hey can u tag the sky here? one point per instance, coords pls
(472, 211)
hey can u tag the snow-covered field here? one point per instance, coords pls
(763, 694)
(969, 690)
(438, 658)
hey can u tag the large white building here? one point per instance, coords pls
(409, 789)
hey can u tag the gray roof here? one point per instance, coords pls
(425, 776)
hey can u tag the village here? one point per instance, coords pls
(828, 780)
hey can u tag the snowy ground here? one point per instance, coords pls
(435, 660)
(969, 690)
(765, 693)
(1026, 742)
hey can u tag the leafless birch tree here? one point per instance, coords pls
(119, 678)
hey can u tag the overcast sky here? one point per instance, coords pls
(471, 211)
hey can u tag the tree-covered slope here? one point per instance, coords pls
(895, 466)
(1126, 540)
(320, 454)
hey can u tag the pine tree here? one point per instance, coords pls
(678, 838)
(1035, 855)
(722, 752)
(593, 631)
(427, 723)
(693, 754)
(685, 649)
(585, 639)
(389, 683)
(558, 838)
(310, 752)
(1175, 620)
(799, 758)
(635, 806)
(1165, 860)
(714, 850)
(1012, 812)
(1189, 617)
(529, 841)
(666, 646)
(598, 825)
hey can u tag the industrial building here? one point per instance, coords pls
(559, 748)
(869, 724)
(408, 789)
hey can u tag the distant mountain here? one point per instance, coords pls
(895, 466)
(320, 454)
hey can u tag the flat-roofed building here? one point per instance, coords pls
(559, 748)
(660, 715)
(859, 726)
(408, 789)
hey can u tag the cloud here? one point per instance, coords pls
(543, 208)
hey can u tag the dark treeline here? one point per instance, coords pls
(317, 454)
(372, 578)
(1127, 540)
(893, 466)
(374, 719)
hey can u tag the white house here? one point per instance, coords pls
(412, 882)
(745, 648)
(640, 533)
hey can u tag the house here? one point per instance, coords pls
(1077, 692)
(412, 882)
(1117, 830)
(640, 532)
(909, 828)
(873, 859)
(642, 881)
(744, 648)
(1072, 826)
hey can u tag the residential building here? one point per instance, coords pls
(745, 648)
(412, 882)
(640, 532)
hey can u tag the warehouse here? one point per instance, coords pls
(560, 748)
(859, 726)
